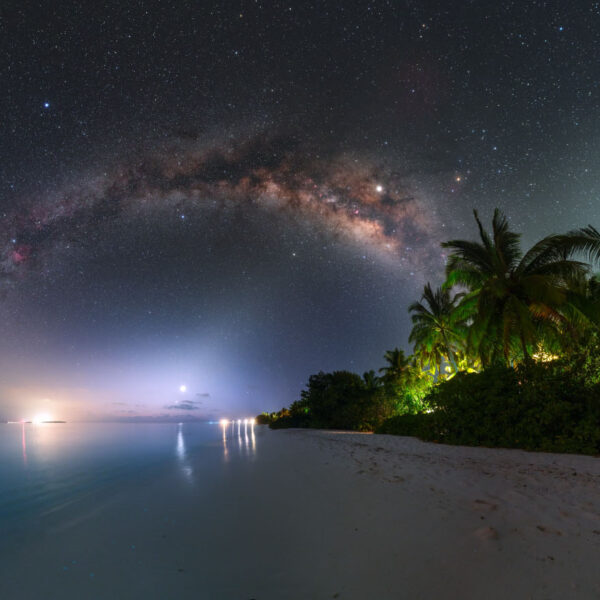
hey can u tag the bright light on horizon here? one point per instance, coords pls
(41, 418)
(225, 422)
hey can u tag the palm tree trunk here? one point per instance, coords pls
(450, 353)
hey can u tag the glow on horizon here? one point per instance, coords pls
(248, 421)
(40, 418)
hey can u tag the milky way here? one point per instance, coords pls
(350, 197)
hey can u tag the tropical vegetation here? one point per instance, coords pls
(506, 352)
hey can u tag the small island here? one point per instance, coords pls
(30, 422)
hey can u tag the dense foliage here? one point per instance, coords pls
(506, 353)
(338, 400)
(345, 400)
(535, 407)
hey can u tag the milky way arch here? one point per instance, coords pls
(349, 197)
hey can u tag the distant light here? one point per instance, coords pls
(46, 104)
(379, 189)
(40, 419)
(245, 421)
(183, 388)
(251, 421)
(224, 422)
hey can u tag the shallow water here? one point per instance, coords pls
(45, 468)
(194, 511)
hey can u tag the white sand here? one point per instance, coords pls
(329, 515)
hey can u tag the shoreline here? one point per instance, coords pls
(322, 514)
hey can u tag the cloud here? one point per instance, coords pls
(184, 405)
(203, 395)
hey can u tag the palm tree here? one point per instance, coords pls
(397, 366)
(583, 307)
(371, 380)
(438, 328)
(517, 296)
(404, 381)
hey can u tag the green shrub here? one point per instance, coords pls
(537, 407)
(263, 419)
(582, 359)
(415, 425)
(338, 400)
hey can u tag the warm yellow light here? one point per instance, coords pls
(544, 357)
(224, 422)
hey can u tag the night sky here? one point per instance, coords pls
(231, 196)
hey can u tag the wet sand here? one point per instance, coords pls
(311, 515)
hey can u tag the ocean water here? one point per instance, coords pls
(46, 468)
(155, 511)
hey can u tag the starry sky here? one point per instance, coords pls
(231, 196)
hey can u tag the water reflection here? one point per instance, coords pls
(181, 453)
(224, 425)
(241, 431)
(24, 445)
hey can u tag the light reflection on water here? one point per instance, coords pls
(24, 446)
(186, 467)
(243, 433)
(44, 466)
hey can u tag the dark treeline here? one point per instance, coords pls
(506, 353)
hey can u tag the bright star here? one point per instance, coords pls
(183, 388)
(46, 104)
(379, 189)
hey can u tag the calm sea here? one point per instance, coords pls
(46, 467)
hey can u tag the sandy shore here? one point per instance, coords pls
(314, 515)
